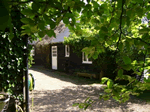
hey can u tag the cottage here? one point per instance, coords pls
(63, 58)
(52, 53)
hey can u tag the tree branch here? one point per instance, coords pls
(138, 39)
(120, 26)
(142, 41)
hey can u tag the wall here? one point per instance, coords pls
(42, 55)
(72, 63)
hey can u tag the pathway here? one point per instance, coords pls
(57, 92)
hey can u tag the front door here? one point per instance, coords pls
(54, 57)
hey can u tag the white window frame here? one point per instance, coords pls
(87, 59)
(67, 53)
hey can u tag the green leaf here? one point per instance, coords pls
(46, 18)
(69, 15)
(27, 20)
(104, 29)
(41, 34)
(127, 77)
(81, 105)
(108, 90)
(58, 20)
(71, 4)
(127, 45)
(104, 79)
(35, 6)
(27, 12)
(148, 15)
(123, 90)
(34, 29)
(9, 85)
(41, 25)
(11, 36)
(50, 22)
(106, 97)
(26, 29)
(95, 55)
(115, 38)
(66, 20)
(89, 38)
(120, 73)
(85, 49)
(119, 4)
(110, 83)
(51, 33)
(120, 46)
(86, 99)
(75, 104)
(127, 67)
(129, 13)
(101, 95)
(145, 30)
(126, 60)
(127, 2)
(116, 93)
(96, 5)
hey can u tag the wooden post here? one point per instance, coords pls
(26, 74)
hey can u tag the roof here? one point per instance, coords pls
(60, 37)
(61, 31)
(33, 42)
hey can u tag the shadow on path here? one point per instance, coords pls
(62, 101)
(64, 76)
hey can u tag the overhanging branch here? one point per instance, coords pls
(120, 26)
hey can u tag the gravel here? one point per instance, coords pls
(55, 93)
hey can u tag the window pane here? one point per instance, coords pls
(54, 54)
(54, 48)
(67, 50)
(54, 51)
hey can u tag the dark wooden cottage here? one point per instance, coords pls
(62, 57)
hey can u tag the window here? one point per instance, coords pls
(54, 51)
(85, 59)
(67, 50)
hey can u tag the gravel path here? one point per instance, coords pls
(56, 92)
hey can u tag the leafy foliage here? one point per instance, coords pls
(13, 51)
(104, 61)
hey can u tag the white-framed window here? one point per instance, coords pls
(67, 51)
(85, 59)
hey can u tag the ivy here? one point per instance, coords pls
(12, 52)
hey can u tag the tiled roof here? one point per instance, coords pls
(60, 36)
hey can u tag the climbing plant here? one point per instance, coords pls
(13, 53)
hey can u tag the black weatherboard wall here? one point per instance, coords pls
(69, 64)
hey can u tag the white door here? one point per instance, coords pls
(54, 57)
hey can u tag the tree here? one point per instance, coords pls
(118, 23)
